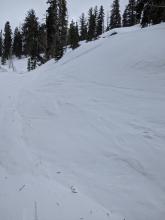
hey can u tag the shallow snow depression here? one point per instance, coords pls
(84, 138)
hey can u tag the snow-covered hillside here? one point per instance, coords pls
(84, 138)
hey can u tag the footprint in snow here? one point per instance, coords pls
(73, 189)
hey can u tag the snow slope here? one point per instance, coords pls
(84, 138)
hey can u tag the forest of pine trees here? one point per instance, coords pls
(41, 42)
(150, 11)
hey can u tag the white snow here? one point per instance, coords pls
(84, 138)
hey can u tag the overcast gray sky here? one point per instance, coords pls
(15, 10)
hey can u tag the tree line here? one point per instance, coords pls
(41, 42)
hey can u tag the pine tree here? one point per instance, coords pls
(150, 11)
(1, 44)
(63, 26)
(30, 34)
(139, 9)
(83, 27)
(52, 28)
(77, 33)
(73, 35)
(100, 21)
(129, 15)
(95, 19)
(7, 42)
(157, 11)
(115, 19)
(30, 31)
(91, 24)
(146, 15)
(56, 24)
(42, 38)
(108, 21)
(3, 59)
(29, 65)
(17, 43)
(125, 20)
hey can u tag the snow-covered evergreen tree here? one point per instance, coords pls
(100, 21)
(7, 42)
(83, 27)
(73, 37)
(17, 43)
(1, 44)
(56, 24)
(115, 18)
(129, 15)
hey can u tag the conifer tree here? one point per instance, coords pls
(42, 37)
(129, 15)
(95, 20)
(100, 21)
(150, 11)
(139, 9)
(52, 28)
(91, 24)
(30, 31)
(56, 24)
(115, 19)
(17, 43)
(29, 64)
(125, 21)
(63, 26)
(108, 21)
(30, 34)
(83, 27)
(7, 42)
(3, 59)
(1, 45)
(73, 35)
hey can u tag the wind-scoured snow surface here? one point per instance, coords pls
(84, 138)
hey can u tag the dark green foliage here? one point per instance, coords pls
(63, 25)
(92, 16)
(100, 21)
(30, 31)
(52, 28)
(158, 11)
(32, 63)
(56, 25)
(95, 23)
(42, 35)
(139, 9)
(73, 38)
(3, 59)
(1, 43)
(28, 65)
(150, 11)
(129, 15)
(83, 27)
(17, 43)
(7, 42)
(115, 18)
(125, 20)
(31, 39)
